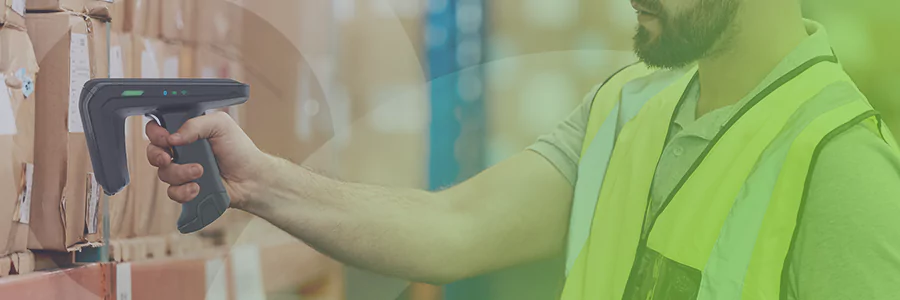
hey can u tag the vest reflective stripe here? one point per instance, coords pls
(730, 259)
(721, 220)
(602, 136)
(691, 220)
(763, 279)
(602, 268)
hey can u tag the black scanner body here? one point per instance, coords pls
(106, 103)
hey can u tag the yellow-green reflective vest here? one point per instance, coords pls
(728, 225)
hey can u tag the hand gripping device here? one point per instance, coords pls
(106, 103)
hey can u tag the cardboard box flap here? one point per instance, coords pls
(71, 49)
(99, 10)
(77, 6)
(23, 262)
(56, 5)
(54, 29)
(21, 55)
(12, 13)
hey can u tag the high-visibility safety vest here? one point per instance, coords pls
(728, 225)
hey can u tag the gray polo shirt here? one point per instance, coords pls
(848, 245)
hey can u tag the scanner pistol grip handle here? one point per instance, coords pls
(213, 200)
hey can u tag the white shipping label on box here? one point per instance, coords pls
(123, 281)
(216, 280)
(7, 117)
(170, 67)
(247, 272)
(93, 208)
(149, 67)
(149, 63)
(18, 6)
(24, 210)
(116, 62)
(79, 74)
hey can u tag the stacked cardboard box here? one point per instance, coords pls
(18, 68)
(382, 84)
(70, 50)
(12, 14)
(78, 6)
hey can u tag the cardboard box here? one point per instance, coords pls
(57, 5)
(117, 16)
(219, 23)
(139, 17)
(383, 86)
(178, 21)
(273, 73)
(91, 7)
(153, 18)
(66, 198)
(121, 205)
(12, 13)
(18, 67)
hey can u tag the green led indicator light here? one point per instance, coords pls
(174, 92)
(132, 93)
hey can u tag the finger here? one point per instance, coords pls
(158, 136)
(183, 193)
(202, 127)
(176, 174)
(157, 156)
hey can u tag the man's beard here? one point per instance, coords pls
(687, 37)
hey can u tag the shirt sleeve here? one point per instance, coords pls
(562, 146)
(848, 244)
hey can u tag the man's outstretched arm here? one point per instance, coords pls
(512, 213)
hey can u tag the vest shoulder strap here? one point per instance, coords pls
(607, 96)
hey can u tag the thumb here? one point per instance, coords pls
(202, 127)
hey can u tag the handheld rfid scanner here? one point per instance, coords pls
(106, 103)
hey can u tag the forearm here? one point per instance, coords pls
(401, 232)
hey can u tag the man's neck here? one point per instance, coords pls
(764, 37)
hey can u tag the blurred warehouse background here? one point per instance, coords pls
(413, 93)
